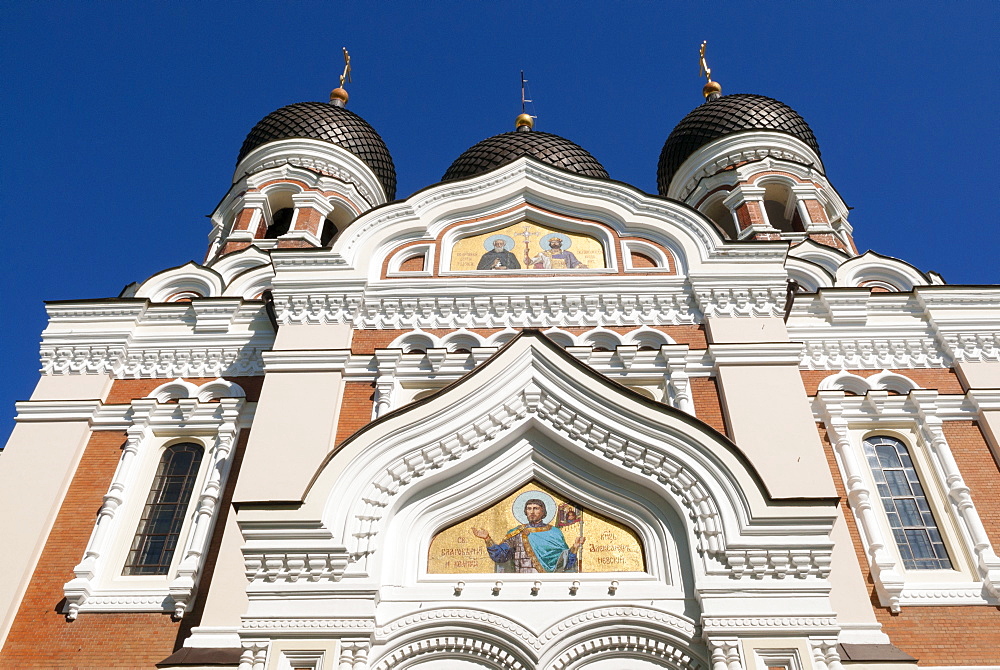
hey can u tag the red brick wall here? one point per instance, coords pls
(123, 391)
(367, 341)
(979, 470)
(945, 381)
(816, 212)
(412, 264)
(308, 219)
(642, 261)
(355, 410)
(748, 213)
(934, 635)
(40, 636)
(708, 407)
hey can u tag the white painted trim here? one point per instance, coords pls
(191, 415)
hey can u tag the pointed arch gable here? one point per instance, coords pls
(733, 527)
(687, 234)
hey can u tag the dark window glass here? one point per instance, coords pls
(913, 526)
(160, 527)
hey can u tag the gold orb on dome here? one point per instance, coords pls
(339, 94)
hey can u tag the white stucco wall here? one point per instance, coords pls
(293, 430)
(36, 468)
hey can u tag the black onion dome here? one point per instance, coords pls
(508, 147)
(329, 123)
(723, 116)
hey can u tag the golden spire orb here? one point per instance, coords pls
(338, 96)
(712, 89)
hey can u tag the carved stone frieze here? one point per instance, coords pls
(124, 362)
(517, 311)
(859, 353)
(331, 625)
(777, 563)
(743, 301)
(293, 566)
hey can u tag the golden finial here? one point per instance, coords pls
(712, 89)
(338, 96)
(346, 76)
(524, 121)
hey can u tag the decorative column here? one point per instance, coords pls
(254, 656)
(725, 654)
(353, 654)
(250, 224)
(311, 209)
(385, 383)
(78, 589)
(183, 585)
(885, 572)
(825, 656)
(747, 203)
(677, 379)
(925, 403)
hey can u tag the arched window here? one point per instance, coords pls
(280, 223)
(329, 232)
(160, 527)
(717, 211)
(913, 526)
(779, 203)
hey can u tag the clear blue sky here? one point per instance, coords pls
(123, 120)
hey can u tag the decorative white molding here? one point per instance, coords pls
(486, 653)
(870, 353)
(131, 362)
(313, 360)
(289, 158)
(749, 150)
(446, 616)
(310, 625)
(768, 625)
(777, 563)
(440, 308)
(745, 300)
(764, 353)
(607, 433)
(97, 585)
(922, 409)
(308, 565)
(631, 645)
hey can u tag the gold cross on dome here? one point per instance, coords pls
(346, 76)
(705, 70)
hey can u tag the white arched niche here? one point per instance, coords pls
(534, 453)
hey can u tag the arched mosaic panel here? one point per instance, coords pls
(527, 246)
(535, 530)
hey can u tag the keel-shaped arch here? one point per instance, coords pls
(531, 384)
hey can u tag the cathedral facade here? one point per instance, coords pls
(526, 417)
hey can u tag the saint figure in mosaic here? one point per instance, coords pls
(536, 545)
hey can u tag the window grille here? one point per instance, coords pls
(913, 525)
(160, 527)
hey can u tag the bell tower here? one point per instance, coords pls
(304, 173)
(753, 166)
